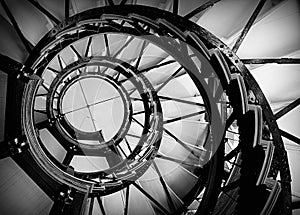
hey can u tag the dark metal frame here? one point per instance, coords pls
(173, 120)
(281, 156)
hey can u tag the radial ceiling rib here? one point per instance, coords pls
(141, 54)
(184, 117)
(233, 153)
(123, 47)
(134, 119)
(150, 198)
(106, 45)
(25, 42)
(123, 2)
(122, 152)
(169, 79)
(67, 9)
(61, 62)
(164, 185)
(44, 11)
(248, 26)
(128, 145)
(188, 147)
(177, 161)
(182, 101)
(99, 200)
(290, 136)
(75, 52)
(158, 66)
(126, 201)
(230, 120)
(133, 135)
(287, 109)
(53, 70)
(91, 206)
(272, 60)
(201, 8)
(110, 2)
(175, 6)
(88, 47)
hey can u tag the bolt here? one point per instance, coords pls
(233, 69)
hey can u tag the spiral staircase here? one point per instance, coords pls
(149, 107)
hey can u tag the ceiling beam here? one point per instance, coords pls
(287, 109)
(13, 21)
(272, 60)
(175, 6)
(249, 24)
(67, 9)
(290, 136)
(201, 8)
(44, 11)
